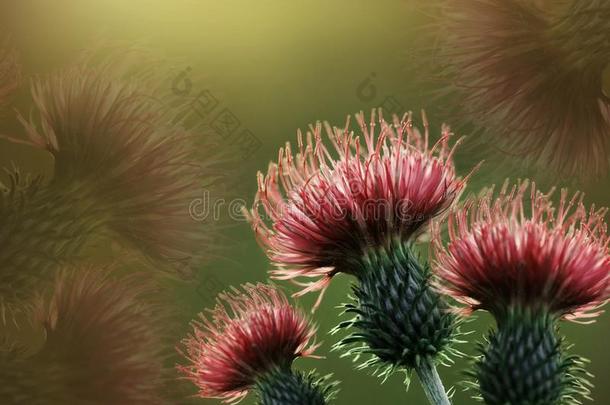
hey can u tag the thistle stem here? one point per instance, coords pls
(431, 382)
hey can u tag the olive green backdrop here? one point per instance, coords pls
(276, 66)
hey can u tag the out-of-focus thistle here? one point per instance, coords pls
(10, 71)
(116, 135)
(250, 342)
(123, 162)
(102, 344)
(530, 264)
(121, 146)
(357, 210)
(527, 75)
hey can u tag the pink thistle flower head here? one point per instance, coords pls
(507, 251)
(249, 334)
(326, 205)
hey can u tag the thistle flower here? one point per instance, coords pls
(113, 133)
(552, 257)
(250, 341)
(529, 264)
(357, 211)
(529, 78)
(10, 72)
(102, 344)
(326, 211)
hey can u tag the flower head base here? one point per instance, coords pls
(327, 205)
(249, 335)
(525, 362)
(399, 319)
(504, 252)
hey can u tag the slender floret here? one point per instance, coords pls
(327, 205)
(249, 341)
(521, 249)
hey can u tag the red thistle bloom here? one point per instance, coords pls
(504, 252)
(531, 77)
(248, 335)
(326, 206)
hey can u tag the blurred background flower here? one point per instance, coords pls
(113, 129)
(526, 78)
(102, 343)
(125, 166)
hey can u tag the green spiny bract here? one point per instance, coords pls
(282, 386)
(399, 318)
(523, 363)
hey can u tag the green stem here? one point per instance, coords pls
(431, 382)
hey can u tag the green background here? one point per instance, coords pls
(278, 66)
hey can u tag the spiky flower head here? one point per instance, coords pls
(327, 204)
(121, 134)
(519, 249)
(400, 321)
(248, 336)
(103, 343)
(528, 76)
